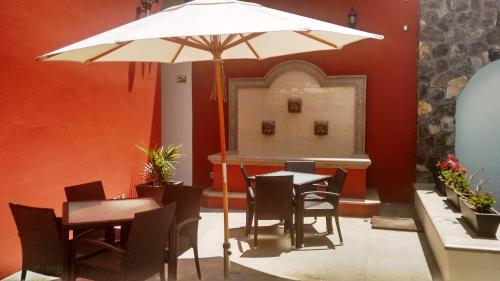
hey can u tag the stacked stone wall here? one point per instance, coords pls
(456, 39)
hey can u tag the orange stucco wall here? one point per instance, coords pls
(66, 123)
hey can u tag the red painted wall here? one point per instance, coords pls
(390, 66)
(66, 123)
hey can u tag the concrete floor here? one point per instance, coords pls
(366, 254)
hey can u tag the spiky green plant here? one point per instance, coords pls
(482, 202)
(160, 168)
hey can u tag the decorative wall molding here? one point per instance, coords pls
(356, 81)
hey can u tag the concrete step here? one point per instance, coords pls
(367, 207)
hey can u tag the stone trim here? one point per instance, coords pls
(233, 158)
(356, 81)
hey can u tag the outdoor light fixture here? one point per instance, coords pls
(144, 7)
(352, 18)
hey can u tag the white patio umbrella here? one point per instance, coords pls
(216, 30)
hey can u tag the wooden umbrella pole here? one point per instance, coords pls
(222, 135)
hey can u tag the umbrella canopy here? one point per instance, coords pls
(217, 30)
(184, 34)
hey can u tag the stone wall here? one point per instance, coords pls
(457, 38)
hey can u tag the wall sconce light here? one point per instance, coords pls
(144, 7)
(181, 79)
(352, 18)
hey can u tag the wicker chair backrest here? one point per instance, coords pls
(337, 183)
(85, 191)
(146, 243)
(273, 197)
(41, 239)
(188, 199)
(301, 166)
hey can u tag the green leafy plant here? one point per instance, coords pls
(454, 175)
(482, 202)
(160, 168)
(456, 180)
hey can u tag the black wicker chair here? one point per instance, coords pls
(301, 166)
(187, 216)
(86, 192)
(250, 200)
(41, 240)
(274, 201)
(144, 254)
(322, 204)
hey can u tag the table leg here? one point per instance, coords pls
(66, 272)
(298, 221)
(172, 251)
(298, 228)
(124, 232)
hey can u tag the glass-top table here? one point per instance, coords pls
(102, 213)
(299, 179)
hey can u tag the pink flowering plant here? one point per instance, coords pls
(454, 175)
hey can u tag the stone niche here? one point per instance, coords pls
(338, 101)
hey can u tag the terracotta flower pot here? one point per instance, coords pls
(440, 187)
(152, 191)
(452, 197)
(485, 224)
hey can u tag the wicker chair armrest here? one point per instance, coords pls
(328, 193)
(186, 222)
(98, 243)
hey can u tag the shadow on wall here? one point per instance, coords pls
(478, 126)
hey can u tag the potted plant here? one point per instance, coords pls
(159, 170)
(439, 184)
(454, 177)
(478, 212)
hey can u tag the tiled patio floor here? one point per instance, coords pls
(367, 254)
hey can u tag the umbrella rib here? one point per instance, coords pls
(195, 40)
(186, 42)
(204, 39)
(308, 35)
(45, 57)
(120, 45)
(251, 48)
(228, 40)
(177, 53)
(243, 39)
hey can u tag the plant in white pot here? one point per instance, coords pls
(478, 212)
